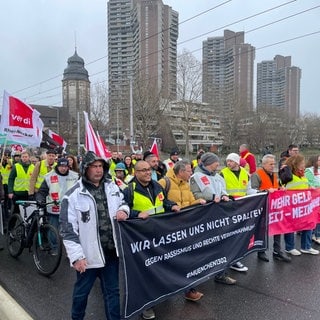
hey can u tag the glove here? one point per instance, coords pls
(31, 197)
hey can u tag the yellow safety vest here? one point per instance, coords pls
(142, 203)
(22, 180)
(42, 172)
(236, 187)
(112, 166)
(194, 163)
(297, 183)
(5, 172)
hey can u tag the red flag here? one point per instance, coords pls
(57, 138)
(154, 148)
(92, 142)
(20, 122)
(105, 149)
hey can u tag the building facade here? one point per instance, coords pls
(195, 124)
(142, 51)
(278, 86)
(228, 74)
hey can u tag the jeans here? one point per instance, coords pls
(109, 282)
(54, 221)
(289, 241)
(306, 240)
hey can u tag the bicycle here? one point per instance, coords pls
(33, 231)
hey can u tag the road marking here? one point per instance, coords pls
(10, 309)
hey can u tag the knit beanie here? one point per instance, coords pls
(234, 157)
(62, 162)
(208, 158)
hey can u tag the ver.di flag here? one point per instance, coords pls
(20, 122)
(57, 138)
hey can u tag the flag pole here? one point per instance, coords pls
(4, 148)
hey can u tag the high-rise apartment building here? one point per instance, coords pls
(228, 74)
(278, 85)
(142, 48)
(120, 63)
(155, 43)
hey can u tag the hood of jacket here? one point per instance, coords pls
(89, 158)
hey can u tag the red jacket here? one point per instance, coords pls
(251, 160)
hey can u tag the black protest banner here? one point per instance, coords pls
(168, 253)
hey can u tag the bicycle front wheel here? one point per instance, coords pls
(47, 249)
(15, 235)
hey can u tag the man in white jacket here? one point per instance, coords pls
(87, 216)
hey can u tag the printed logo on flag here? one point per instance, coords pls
(20, 115)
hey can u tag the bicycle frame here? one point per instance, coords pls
(33, 222)
(33, 231)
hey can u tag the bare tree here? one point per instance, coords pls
(311, 122)
(189, 88)
(99, 108)
(149, 106)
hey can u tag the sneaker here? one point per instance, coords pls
(281, 256)
(193, 295)
(238, 266)
(294, 252)
(148, 314)
(315, 239)
(310, 251)
(263, 256)
(225, 279)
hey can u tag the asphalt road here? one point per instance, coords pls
(273, 290)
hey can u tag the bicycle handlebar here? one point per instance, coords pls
(27, 203)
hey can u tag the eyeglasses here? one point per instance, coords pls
(144, 170)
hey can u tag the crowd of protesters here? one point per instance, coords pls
(91, 194)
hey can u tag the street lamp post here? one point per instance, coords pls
(118, 128)
(131, 113)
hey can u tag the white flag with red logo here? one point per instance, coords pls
(92, 141)
(20, 122)
(54, 136)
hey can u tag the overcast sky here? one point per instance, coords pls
(38, 36)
